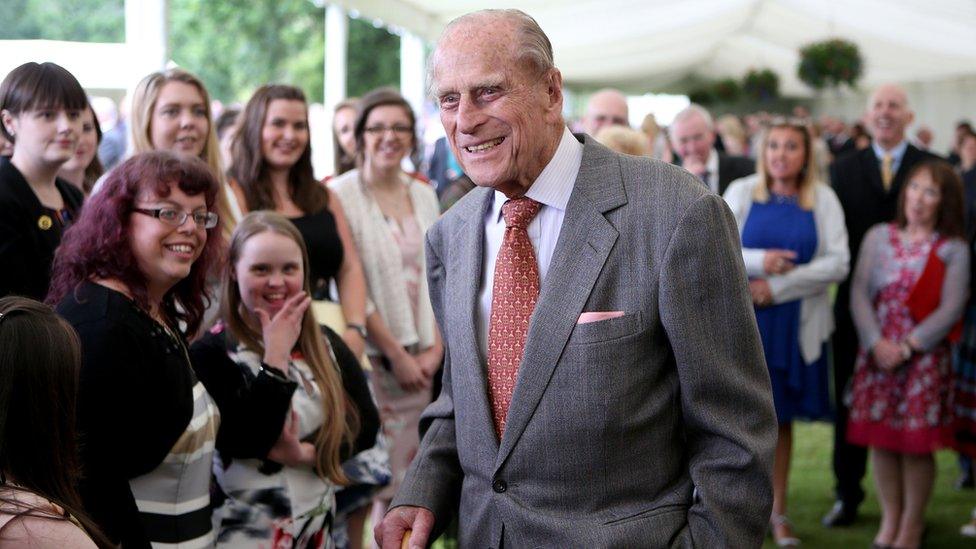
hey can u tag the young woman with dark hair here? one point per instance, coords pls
(39, 360)
(272, 170)
(389, 212)
(84, 168)
(267, 324)
(131, 279)
(40, 113)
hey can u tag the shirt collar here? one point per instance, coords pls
(896, 152)
(555, 184)
(712, 163)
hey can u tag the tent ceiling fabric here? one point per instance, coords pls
(643, 45)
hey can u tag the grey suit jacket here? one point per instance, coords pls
(613, 424)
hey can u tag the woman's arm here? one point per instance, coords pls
(356, 387)
(827, 267)
(253, 408)
(862, 311)
(350, 279)
(405, 367)
(955, 288)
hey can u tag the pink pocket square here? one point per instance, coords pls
(596, 316)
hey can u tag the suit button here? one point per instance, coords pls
(499, 486)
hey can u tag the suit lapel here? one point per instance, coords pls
(585, 241)
(464, 276)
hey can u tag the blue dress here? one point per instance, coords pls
(800, 390)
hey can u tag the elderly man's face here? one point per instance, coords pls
(605, 109)
(888, 115)
(692, 139)
(498, 114)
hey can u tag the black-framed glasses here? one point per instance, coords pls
(399, 130)
(176, 218)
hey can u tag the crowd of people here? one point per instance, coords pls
(235, 353)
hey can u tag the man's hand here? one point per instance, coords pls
(398, 521)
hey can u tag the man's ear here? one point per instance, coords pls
(554, 89)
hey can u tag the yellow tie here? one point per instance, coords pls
(886, 174)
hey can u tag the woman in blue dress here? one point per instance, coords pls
(794, 244)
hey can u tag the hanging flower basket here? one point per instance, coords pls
(761, 85)
(830, 63)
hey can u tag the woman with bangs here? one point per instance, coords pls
(268, 326)
(272, 170)
(131, 278)
(40, 109)
(794, 246)
(171, 112)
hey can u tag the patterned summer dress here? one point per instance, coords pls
(908, 410)
(270, 506)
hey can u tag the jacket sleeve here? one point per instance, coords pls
(252, 408)
(434, 479)
(739, 199)
(830, 265)
(725, 393)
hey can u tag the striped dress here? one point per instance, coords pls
(174, 498)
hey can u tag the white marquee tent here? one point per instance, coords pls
(652, 44)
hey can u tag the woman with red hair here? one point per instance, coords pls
(131, 278)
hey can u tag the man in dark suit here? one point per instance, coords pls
(867, 183)
(586, 400)
(693, 139)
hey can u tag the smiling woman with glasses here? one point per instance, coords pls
(389, 211)
(131, 278)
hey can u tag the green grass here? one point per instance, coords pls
(811, 495)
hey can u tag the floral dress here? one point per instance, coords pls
(909, 409)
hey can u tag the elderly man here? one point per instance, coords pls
(867, 183)
(604, 383)
(693, 139)
(607, 107)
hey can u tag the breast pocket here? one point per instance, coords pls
(606, 330)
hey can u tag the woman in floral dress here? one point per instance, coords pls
(907, 297)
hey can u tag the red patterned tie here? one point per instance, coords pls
(514, 293)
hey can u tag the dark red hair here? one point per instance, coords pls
(97, 245)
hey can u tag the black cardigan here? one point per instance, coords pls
(135, 400)
(27, 242)
(209, 355)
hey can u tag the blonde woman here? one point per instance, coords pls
(795, 246)
(171, 112)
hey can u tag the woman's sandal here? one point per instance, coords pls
(781, 520)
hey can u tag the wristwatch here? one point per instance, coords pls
(906, 351)
(359, 328)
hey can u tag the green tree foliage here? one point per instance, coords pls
(237, 45)
(77, 20)
(233, 45)
(374, 58)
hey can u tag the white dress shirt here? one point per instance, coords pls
(552, 189)
(711, 166)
